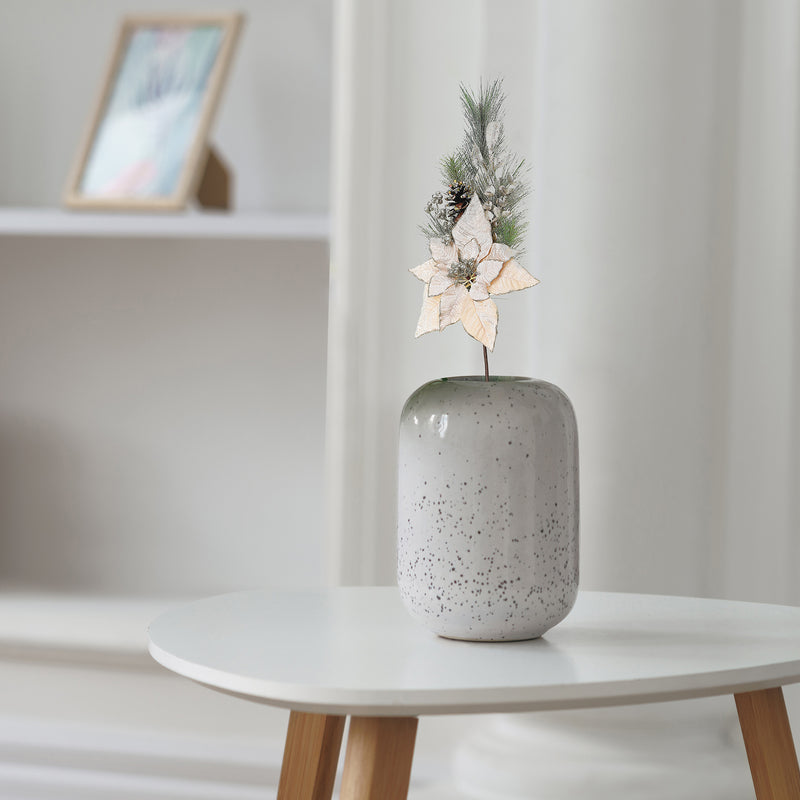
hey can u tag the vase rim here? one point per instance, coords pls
(482, 378)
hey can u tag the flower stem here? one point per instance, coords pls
(486, 362)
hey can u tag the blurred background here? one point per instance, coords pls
(184, 414)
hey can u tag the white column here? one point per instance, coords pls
(359, 154)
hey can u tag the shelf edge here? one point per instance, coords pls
(258, 226)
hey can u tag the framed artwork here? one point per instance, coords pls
(146, 146)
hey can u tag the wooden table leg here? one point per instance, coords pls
(377, 764)
(769, 745)
(310, 757)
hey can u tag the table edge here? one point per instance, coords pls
(373, 703)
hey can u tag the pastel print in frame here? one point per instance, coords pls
(147, 143)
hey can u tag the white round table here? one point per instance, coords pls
(355, 651)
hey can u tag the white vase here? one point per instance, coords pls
(488, 507)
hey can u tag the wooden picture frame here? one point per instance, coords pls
(146, 146)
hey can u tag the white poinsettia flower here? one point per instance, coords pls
(462, 274)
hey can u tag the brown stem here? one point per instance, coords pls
(486, 362)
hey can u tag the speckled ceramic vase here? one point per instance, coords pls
(488, 507)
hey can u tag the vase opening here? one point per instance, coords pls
(482, 379)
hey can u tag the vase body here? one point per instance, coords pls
(488, 512)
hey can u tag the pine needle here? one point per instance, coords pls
(484, 164)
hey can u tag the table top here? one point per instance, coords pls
(356, 651)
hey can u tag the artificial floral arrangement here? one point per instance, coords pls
(475, 227)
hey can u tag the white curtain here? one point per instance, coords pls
(663, 142)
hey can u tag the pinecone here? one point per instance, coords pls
(457, 199)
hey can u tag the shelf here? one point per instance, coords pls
(55, 223)
(76, 628)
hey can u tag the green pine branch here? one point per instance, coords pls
(483, 163)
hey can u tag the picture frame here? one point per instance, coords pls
(146, 145)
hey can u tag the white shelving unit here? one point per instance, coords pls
(91, 715)
(36, 623)
(161, 414)
(51, 222)
(80, 629)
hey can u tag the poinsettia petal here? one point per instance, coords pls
(480, 321)
(443, 252)
(473, 226)
(500, 252)
(512, 278)
(439, 283)
(470, 251)
(489, 269)
(452, 302)
(479, 290)
(425, 271)
(429, 316)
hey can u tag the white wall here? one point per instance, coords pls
(162, 414)
(273, 125)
